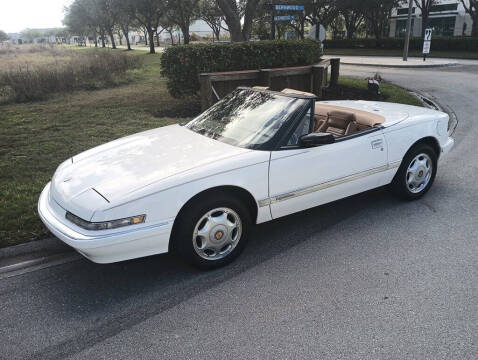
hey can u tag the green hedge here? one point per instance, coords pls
(182, 64)
(438, 44)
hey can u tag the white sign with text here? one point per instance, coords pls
(427, 41)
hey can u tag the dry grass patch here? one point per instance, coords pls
(34, 75)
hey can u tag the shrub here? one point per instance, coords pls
(182, 64)
(85, 70)
(438, 43)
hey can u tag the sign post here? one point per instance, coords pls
(427, 41)
(409, 28)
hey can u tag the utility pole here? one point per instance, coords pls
(409, 27)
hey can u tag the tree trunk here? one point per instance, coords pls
(95, 35)
(474, 28)
(145, 37)
(232, 19)
(151, 40)
(170, 32)
(125, 32)
(235, 31)
(424, 23)
(185, 30)
(113, 44)
(157, 38)
(249, 13)
(103, 39)
(377, 31)
(350, 31)
(120, 36)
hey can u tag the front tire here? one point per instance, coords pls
(416, 173)
(212, 231)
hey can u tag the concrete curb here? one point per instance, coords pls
(47, 245)
(45, 252)
(399, 66)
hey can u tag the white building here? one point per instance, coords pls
(447, 18)
(198, 27)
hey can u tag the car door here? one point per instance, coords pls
(301, 178)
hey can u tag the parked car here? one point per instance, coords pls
(256, 155)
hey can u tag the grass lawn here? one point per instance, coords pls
(399, 52)
(355, 88)
(36, 137)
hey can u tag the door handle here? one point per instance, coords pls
(377, 144)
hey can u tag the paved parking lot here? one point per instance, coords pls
(368, 277)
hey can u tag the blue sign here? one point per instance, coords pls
(290, 7)
(284, 18)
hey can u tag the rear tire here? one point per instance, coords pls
(416, 173)
(212, 231)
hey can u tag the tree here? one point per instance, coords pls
(124, 19)
(211, 14)
(322, 12)
(82, 18)
(377, 15)
(148, 14)
(29, 35)
(182, 13)
(233, 15)
(107, 15)
(472, 9)
(338, 26)
(3, 36)
(352, 12)
(425, 7)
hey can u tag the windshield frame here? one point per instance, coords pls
(284, 130)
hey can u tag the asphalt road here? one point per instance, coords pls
(368, 277)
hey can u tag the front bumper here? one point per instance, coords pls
(104, 246)
(445, 149)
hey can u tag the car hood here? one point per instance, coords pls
(109, 172)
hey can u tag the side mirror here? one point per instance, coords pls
(316, 139)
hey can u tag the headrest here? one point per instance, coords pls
(341, 115)
(260, 87)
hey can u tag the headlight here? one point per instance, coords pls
(104, 225)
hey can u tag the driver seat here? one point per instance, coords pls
(337, 123)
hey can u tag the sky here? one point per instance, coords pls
(16, 15)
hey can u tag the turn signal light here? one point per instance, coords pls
(105, 225)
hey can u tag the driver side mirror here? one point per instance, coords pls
(316, 139)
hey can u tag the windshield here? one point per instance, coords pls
(246, 118)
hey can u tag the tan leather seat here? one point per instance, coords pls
(338, 122)
(363, 120)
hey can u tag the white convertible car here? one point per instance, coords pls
(197, 188)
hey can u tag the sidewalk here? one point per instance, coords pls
(392, 61)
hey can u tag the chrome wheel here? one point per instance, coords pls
(419, 173)
(217, 233)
